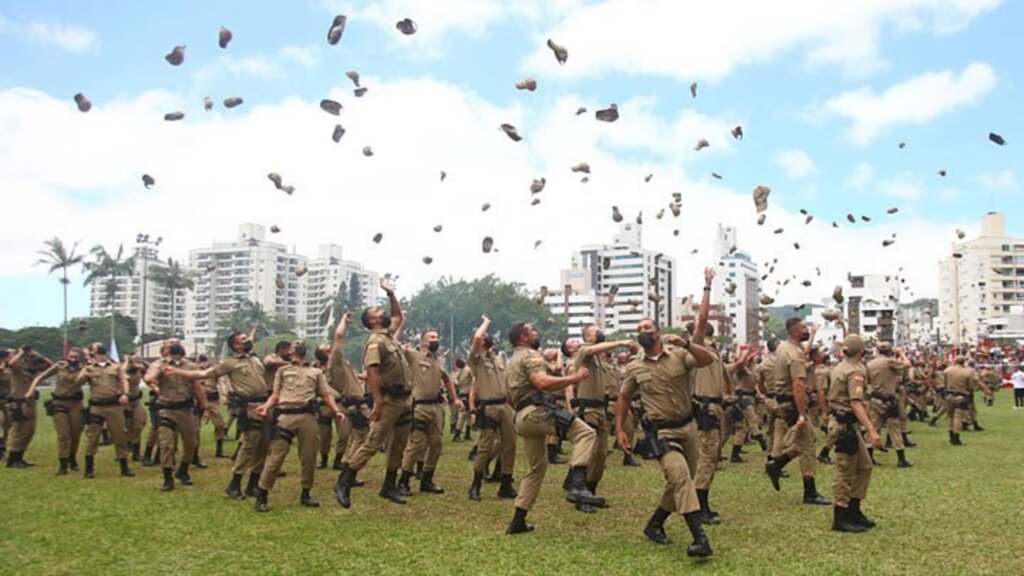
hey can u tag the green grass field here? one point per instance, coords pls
(957, 511)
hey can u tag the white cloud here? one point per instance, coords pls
(862, 175)
(306, 56)
(904, 186)
(1004, 181)
(795, 163)
(709, 40)
(69, 37)
(917, 100)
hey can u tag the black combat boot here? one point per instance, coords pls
(553, 456)
(472, 454)
(220, 450)
(901, 455)
(655, 529)
(578, 493)
(234, 489)
(474, 488)
(124, 468)
(63, 467)
(933, 422)
(136, 456)
(337, 461)
(427, 483)
(14, 460)
(419, 470)
(495, 475)
(356, 482)
(762, 442)
(467, 435)
(707, 515)
(182, 475)
(871, 455)
(628, 460)
(403, 487)
(154, 461)
(147, 457)
(73, 462)
(700, 547)
(168, 480)
(824, 456)
(519, 524)
(89, 466)
(456, 435)
(907, 442)
(261, 500)
(888, 441)
(978, 428)
(343, 487)
(736, 458)
(811, 494)
(774, 469)
(197, 460)
(842, 521)
(507, 490)
(858, 517)
(307, 500)
(323, 462)
(954, 439)
(389, 491)
(253, 486)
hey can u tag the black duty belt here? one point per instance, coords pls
(670, 424)
(530, 401)
(708, 399)
(429, 401)
(842, 416)
(310, 408)
(745, 393)
(490, 402)
(22, 399)
(589, 403)
(464, 397)
(73, 397)
(560, 397)
(162, 405)
(780, 397)
(395, 391)
(882, 397)
(134, 397)
(213, 396)
(104, 401)
(257, 399)
(352, 401)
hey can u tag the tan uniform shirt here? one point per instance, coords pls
(960, 379)
(464, 380)
(524, 362)
(709, 381)
(602, 374)
(271, 364)
(789, 366)
(884, 373)
(245, 375)
(765, 372)
(663, 383)
(745, 381)
(174, 388)
(848, 382)
(486, 376)
(21, 380)
(297, 384)
(104, 380)
(428, 374)
(64, 377)
(5, 381)
(383, 351)
(341, 377)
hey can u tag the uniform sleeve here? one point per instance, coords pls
(321, 385)
(278, 382)
(223, 368)
(856, 383)
(629, 384)
(371, 356)
(797, 368)
(580, 358)
(533, 363)
(689, 360)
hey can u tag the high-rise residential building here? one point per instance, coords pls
(330, 276)
(688, 310)
(247, 269)
(980, 284)
(139, 297)
(735, 267)
(873, 307)
(619, 282)
(920, 321)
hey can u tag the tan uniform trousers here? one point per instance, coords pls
(67, 421)
(497, 440)
(902, 403)
(877, 412)
(629, 425)
(113, 417)
(173, 423)
(393, 427)
(597, 420)
(677, 465)
(769, 409)
(958, 412)
(535, 426)
(709, 445)
(358, 423)
(462, 418)
(253, 444)
(749, 426)
(23, 424)
(853, 471)
(425, 437)
(135, 417)
(220, 429)
(326, 422)
(796, 441)
(292, 427)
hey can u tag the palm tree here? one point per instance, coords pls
(57, 257)
(107, 267)
(173, 278)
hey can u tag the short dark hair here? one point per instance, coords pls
(231, 339)
(565, 348)
(515, 333)
(366, 317)
(652, 321)
(281, 346)
(773, 344)
(460, 363)
(792, 321)
(690, 328)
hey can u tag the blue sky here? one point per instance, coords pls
(824, 95)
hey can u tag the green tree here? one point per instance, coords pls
(174, 278)
(57, 257)
(355, 293)
(249, 315)
(107, 268)
(47, 339)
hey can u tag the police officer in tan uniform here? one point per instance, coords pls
(747, 422)
(537, 418)
(293, 400)
(248, 390)
(960, 381)
(388, 380)
(326, 421)
(213, 412)
(108, 399)
(590, 398)
(461, 419)
(353, 397)
(65, 407)
(427, 436)
(885, 371)
(793, 435)
(5, 393)
(847, 395)
(176, 417)
(765, 375)
(661, 375)
(135, 415)
(488, 402)
(23, 367)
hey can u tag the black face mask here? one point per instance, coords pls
(599, 338)
(805, 336)
(433, 346)
(385, 321)
(299, 353)
(247, 347)
(176, 350)
(535, 344)
(647, 340)
(100, 350)
(74, 364)
(321, 356)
